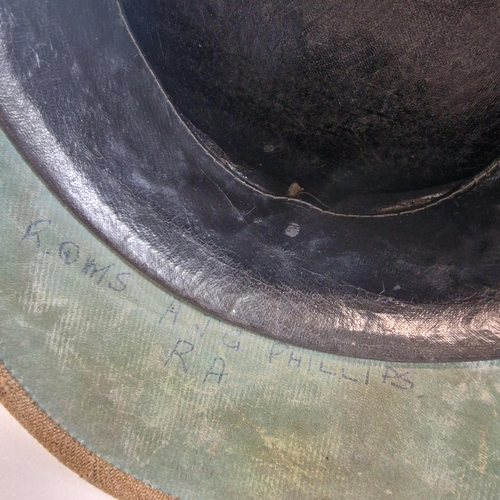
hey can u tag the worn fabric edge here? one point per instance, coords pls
(68, 450)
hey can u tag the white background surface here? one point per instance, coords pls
(29, 472)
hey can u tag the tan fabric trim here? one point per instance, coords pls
(69, 451)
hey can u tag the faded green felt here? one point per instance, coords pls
(203, 410)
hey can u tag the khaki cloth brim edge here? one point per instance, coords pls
(68, 450)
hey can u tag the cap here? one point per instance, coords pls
(154, 395)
